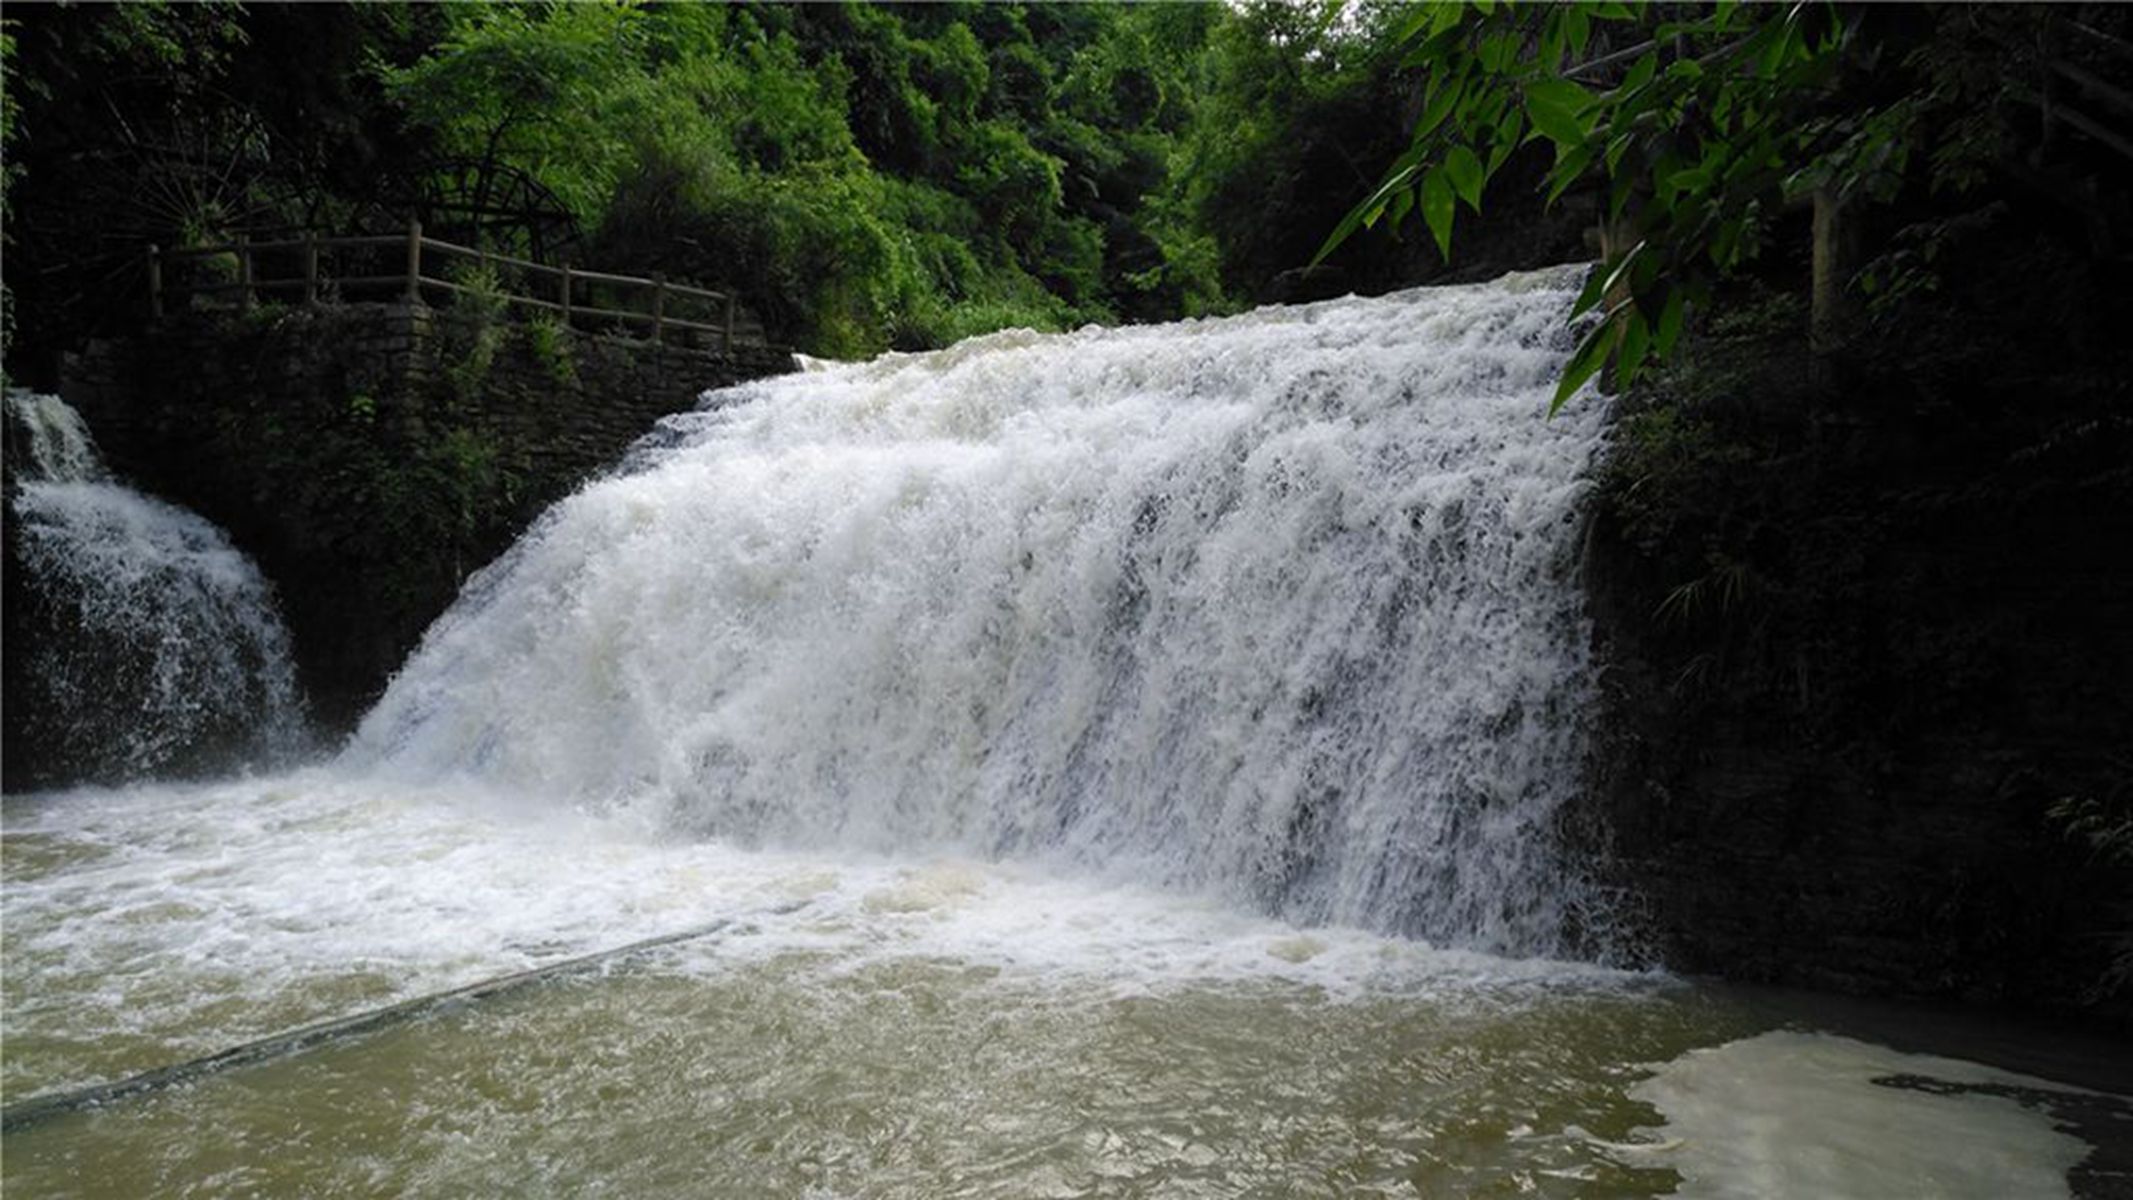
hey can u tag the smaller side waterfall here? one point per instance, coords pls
(140, 641)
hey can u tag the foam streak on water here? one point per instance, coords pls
(1788, 1113)
(1279, 607)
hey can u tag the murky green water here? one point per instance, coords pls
(915, 1079)
(935, 1029)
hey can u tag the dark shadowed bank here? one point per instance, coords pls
(1868, 624)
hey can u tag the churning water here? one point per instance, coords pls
(156, 644)
(1281, 607)
(1131, 762)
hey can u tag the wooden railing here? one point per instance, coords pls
(653, 303)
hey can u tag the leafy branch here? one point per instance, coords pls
(1698, 130)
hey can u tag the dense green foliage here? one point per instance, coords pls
(865, 176)
(862, 186)
(1293, 126)
(884, 175)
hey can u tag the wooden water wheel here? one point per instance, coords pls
(494, 206)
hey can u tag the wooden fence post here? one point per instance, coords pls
(310, 268)
(659, 306)
(414, 261)
(244, 272)
(566, 295)
(726, 342)
(155, 282)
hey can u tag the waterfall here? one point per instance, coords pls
(1279, 607)
(140, 641)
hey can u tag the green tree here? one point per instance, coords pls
(537, 87)
(1297, 108)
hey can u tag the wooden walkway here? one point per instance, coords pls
(319, 270)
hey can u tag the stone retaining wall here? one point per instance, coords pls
(371, 456)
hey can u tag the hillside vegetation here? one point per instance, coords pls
(866, 176)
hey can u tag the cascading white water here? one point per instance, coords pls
(1280, 606)
(161, 647)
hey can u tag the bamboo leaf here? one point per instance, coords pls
(1612, 278)
(1779, 51)
(1669, 325)
(1438, 107)
(1570, 165)
(1584, 363)
(1557, 108)
(1504, 139)
(1640, 73)
(1636, 342)
(1464, 170)
(1366, 213)
(1595, 287)
(1418, 18)
(1499, 52)
(1437, 209)
(1688, 179)
(1441, 46)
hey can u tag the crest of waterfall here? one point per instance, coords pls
(1279, 606)
(154, 644)
(56, 439)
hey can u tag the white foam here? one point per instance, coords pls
(1278, 607)
(187, 918)
(1800, 1114)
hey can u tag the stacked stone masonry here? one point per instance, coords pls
(371, 456)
